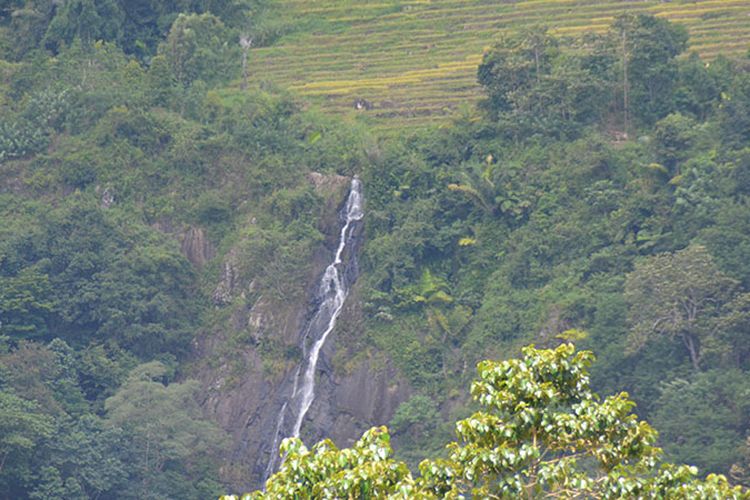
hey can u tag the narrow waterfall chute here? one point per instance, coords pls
(332, 292)
(333, 287)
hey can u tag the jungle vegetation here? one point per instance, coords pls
(600, 186)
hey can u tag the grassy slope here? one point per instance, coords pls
(416, 60)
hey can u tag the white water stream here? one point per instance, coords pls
(332, 293)
(333, 288)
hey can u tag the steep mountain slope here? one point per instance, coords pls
(248, 395)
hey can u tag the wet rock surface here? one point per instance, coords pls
(244, 394)
(196, 247)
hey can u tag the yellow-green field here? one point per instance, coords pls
(416, 60)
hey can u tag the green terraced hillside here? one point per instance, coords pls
(415, 61)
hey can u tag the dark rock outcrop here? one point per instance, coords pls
(196, 247)
(244, 391)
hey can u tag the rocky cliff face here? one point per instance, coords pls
(196, 246)
(243, 392)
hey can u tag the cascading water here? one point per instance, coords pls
(332, 292)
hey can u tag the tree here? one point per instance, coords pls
(514, 66)
(28, 22)
(679, 296)
(416, 427)
(25, 304)
(733, 328)
(115, 282)
(647, 47)
(197, 48)
(701, 420)
(84, 460)
(734, 111)
(87, 20)
(740, 471)
(245, 42)
(674, 137)
(364, 471)
(43, 374)
(701, 84)
(170, 441)
(530, 81)
(542, 433)
(23, 429)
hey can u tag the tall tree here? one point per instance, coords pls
(23, 429)
(198, 47)
(677, 295)
(734, 112)
(87, 20)
(532, 83)
(514, 66)
(701, 420)
(647, 48)
(25, 304)
(84, 459)
(170, 439)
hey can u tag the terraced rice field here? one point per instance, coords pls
(415, 61)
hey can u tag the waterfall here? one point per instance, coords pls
(332, 292)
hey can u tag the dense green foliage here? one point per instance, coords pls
(539, 87)
(541, 433)
(601, 186)
(136, 26)
(626, 219)
(106, 163)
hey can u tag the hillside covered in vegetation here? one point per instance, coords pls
(169, 201)
(414, 62)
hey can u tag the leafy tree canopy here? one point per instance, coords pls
(677, 295)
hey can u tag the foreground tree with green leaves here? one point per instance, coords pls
(542, 433)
